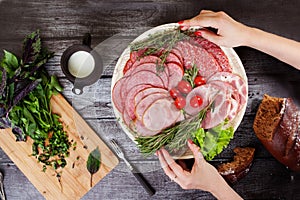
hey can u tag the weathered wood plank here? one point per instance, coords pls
(274, 181)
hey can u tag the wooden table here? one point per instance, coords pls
(63, 23)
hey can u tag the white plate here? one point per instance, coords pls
(233, 58)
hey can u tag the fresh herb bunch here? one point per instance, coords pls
(26, 90)
(174, 138)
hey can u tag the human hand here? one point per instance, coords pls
(202, 176)
(230, 32)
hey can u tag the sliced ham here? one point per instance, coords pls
(143, 93)
(175, 74)
(219, 112)
(236, 81)
(233, 96)
(129, 100)
(162, 73)
(206, 92)
(160, 115)
(117, 94)
(141, 130)
(141, 77)
(146, 102)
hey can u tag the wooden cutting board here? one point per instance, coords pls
(75, 178)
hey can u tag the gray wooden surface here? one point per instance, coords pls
(63, 23)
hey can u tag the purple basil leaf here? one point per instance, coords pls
(20, 136)
(31, 48)
(31, 86)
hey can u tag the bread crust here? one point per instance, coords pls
(276, 125)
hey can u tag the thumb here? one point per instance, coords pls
(211, 36)
(196, 152)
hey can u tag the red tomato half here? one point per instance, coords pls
(196, 101)
(174, 92)
(180, 102)
(184, 87)
(199, 80)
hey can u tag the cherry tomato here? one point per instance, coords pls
(174, 92)
(180, 102)
(184, 87)
(199, 80)
(196, 101)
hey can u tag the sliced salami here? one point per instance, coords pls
(173, 58)
(216, 52)
(147, 59)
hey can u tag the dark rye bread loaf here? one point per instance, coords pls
(239, 167)
(277, 125)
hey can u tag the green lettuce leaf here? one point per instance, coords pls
(213, 141)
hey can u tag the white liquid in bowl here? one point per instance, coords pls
(81, 64)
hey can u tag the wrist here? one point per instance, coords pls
(248, 36)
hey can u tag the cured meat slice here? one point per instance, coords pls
(236, 81)
(160, 115)
(216, 52)
(175, 74)
(219, 112)
(205, 62)
(162, 73)
(178, 54)
(233, 96)
(195, 55)
(135, 55)
(143, 93)
(142, 77)
(147, 59)
(117, 94)
(206, 92)
(144, 104)
(141, 130)
(173, 58)
(126, 118)
(127, 66)
(129, 102)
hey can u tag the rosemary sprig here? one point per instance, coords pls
(174, 137)
(190, 75)
(162, 43)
